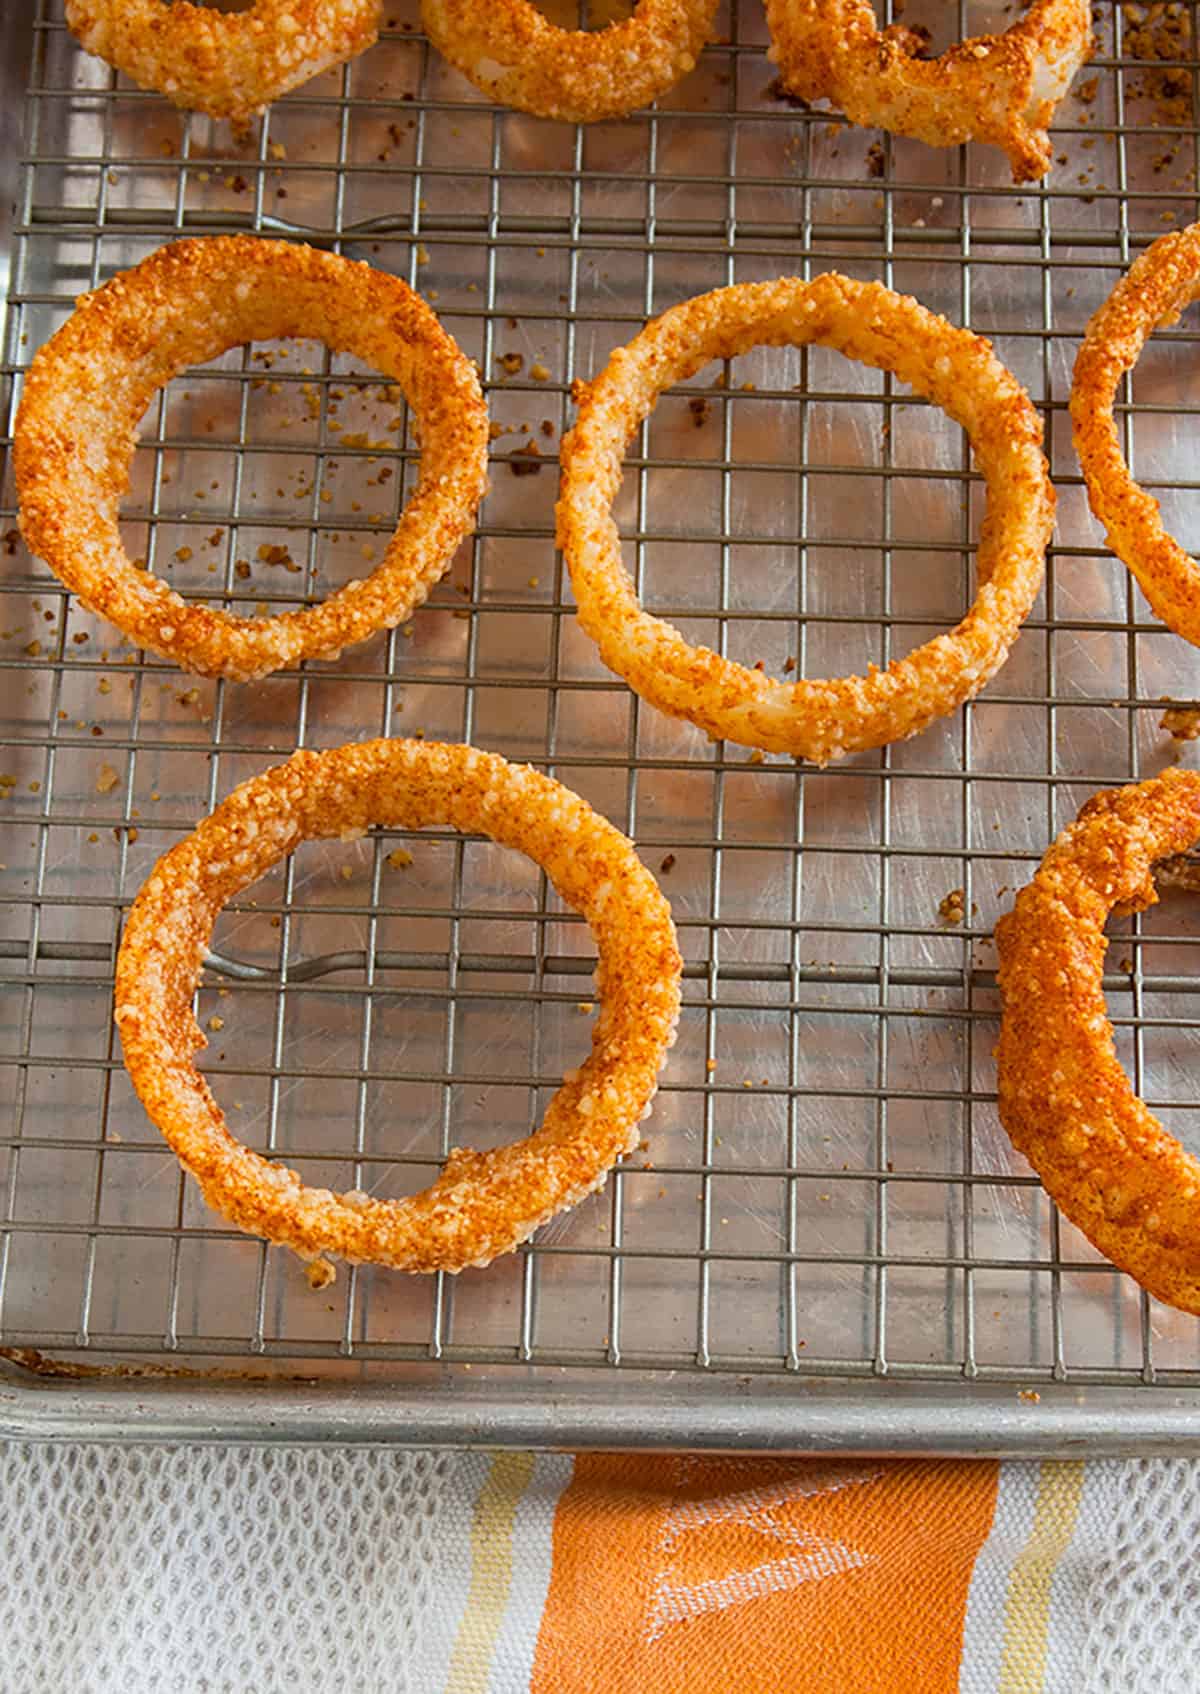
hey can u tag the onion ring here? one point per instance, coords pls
(817, 720)
(1065, 1099)
(514, 54)
(90, 384)
(1001, 89)
(1159, 284)
(229, 65)
(483, 1203)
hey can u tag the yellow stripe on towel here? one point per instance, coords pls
(1027, 1604)
(491, 1573)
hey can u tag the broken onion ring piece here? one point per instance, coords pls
(1001, 89)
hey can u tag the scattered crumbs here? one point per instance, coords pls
(346, 872)
(534, 582)
(789, 664)
(79, 637)
(952, 908)
(400, 859)
(1126, 965)
(710, 1065)
(875, 160)
(1030, 1395)
(668, 863)
(526, 461)
(757, 757)
(512, 364)
(277, 555)
(539, 372)
(585, 1006)
(1153, 34)
(107, 780)
(215, 1022)
(746, 1082)
(183, 554)
(1182, 723)
(700, 409)
(320, 1274)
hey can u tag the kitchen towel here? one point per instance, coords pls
(251, 1569)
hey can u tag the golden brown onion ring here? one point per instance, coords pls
(228, 64)
(1001, 89)
(824, 719)
(514, 54)
(1064, 1097)
(88, 387)
(483, 1203)
(1159, 284)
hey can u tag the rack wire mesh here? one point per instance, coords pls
(825, 1189)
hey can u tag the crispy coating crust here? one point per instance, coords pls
(513, 53)
(822, 719)
(483, 1203)
(1158, 285)
(1064, 1097)
(88, 387)
(996, 88)
(228, 64)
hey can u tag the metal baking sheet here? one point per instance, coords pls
(827, 1240)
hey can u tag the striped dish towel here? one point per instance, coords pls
(230, 1569)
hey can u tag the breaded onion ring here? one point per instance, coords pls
(1158, 285)
(824, 719)
(483, 1203)
(514, 54)
(88, 387)
(228, 64)
(1064, 1097)
(996, 88)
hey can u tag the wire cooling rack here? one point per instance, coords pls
(825, 1202)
